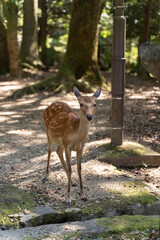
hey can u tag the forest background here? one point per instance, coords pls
(72, 36)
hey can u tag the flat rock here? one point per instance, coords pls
(130, 154)
(93, 227)
(41, 216)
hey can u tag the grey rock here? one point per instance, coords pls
(153, 209)
(73, 214)
(138, 209)
(86, 228)
(41, 216)
(150, 58)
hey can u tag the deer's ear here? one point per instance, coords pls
(76, 92)
(97, 93)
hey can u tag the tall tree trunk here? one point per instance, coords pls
(43, 31)
(10, 10)
(29, 48)
(147, 16)
(4, 56)
(145, 34)
(80, 59)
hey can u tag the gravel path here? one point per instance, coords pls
(23, 152)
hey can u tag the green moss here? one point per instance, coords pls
(124, 224)
(113, 151)
(12, 201)
(97, 210)
(29, 238)
(136, 191)
(73, 235)
(128, 149)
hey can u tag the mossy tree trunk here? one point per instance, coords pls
(80, 60)
(4, 56)
(29, 47)
(10, 10)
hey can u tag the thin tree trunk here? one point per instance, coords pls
(146, 29)
(13, 49)
(43, 31)
(4, 56)
(145, 35)
(11, 11)
(29, 48)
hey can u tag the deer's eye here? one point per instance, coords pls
(81, 104)
(94, 105)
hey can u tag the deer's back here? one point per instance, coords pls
(61, 121)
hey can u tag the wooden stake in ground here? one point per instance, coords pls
(118, 73)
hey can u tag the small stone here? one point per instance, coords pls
(27, 220)
(4, 227)
(48, 238)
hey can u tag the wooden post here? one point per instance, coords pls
(118, 73)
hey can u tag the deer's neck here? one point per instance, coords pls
(83, 128)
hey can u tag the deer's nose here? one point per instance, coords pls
(89, 117)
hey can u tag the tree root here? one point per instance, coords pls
(61, 83)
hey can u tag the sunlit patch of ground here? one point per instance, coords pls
(23, 152)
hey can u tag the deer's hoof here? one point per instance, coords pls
(45, 179)
(68, 202)
(74, 184)
(84, 198)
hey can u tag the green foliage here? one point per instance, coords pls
(136, 20)
(135, 15)
(105, 37)
(58, 20)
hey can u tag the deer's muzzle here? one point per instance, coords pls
(89, 117)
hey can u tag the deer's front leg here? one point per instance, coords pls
(48, 162)
(69, 172)
(79, 158)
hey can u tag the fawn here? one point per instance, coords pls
(70, 132)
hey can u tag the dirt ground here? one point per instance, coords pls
(23, 151)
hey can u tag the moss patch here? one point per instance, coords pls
(129, 154)
(126, 150)
(136, 192)
(96, 209)
(119, 151)
(12, 201)
(127, 224)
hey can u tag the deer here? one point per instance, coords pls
(69, 131)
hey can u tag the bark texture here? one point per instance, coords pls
(80, 59)
(145, 36)
(43, 31)
(10, 10)
(147, 17)
(29, 48)
(4, 56)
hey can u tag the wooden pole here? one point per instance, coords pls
(118, 73)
